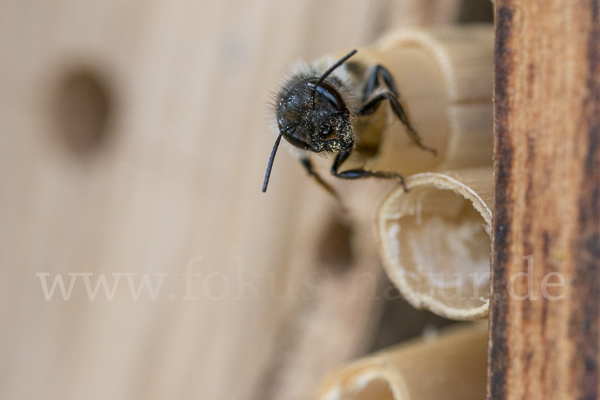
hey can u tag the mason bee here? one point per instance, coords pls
(331, 107)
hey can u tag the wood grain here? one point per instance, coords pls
(545, 345)
(172, 181)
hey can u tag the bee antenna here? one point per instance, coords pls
(331, 69)
(273, 152)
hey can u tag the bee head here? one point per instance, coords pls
(318, 115)
(312, 115)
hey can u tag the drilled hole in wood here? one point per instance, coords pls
(83, 109)
(335, 245)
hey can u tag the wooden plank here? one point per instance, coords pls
(175, 183)
(544, 317)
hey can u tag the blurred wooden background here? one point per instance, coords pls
(133, 141)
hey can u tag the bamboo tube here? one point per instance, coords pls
(435, 241)
(451, 366)
(444, 77)
(425, 13)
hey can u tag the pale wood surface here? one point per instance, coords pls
(176, 183)
(545, 344)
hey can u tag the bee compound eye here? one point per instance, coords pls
(331, 95)
(294, 141)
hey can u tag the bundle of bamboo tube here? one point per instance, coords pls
(434, 240)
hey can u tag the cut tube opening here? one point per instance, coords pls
(435, 243)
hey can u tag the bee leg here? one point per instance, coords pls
(361, 173)
(311, 171)
(372, 105)
(373, 82)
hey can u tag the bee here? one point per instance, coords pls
(332, 110)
